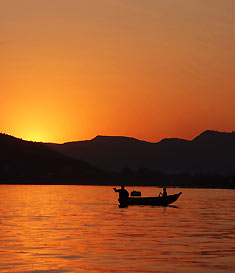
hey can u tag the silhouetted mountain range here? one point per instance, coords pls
(210, 152)
(30, 162)
(206, 161)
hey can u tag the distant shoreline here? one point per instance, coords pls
(113, 185)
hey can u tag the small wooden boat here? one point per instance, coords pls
(151, 201)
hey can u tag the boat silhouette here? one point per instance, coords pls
(151, 201)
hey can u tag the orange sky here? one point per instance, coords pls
(73, 69)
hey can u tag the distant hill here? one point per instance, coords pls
(210, 152)
(30, 162)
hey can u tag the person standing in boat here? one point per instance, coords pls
(123, 193)
(164, 194)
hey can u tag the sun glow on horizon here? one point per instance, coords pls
(36, 136)
(71, 70)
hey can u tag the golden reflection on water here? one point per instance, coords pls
(82, 229)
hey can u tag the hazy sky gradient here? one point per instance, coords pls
(72, 69)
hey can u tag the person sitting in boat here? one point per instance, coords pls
(164, 194)
(123, 193)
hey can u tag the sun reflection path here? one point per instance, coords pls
(81, 229)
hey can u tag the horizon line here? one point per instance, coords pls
(121, 136)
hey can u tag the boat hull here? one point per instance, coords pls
(151, 201)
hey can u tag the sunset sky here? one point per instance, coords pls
(149, 69)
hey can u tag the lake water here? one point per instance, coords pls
(82, 229)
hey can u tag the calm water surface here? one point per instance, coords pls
(82, 229)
